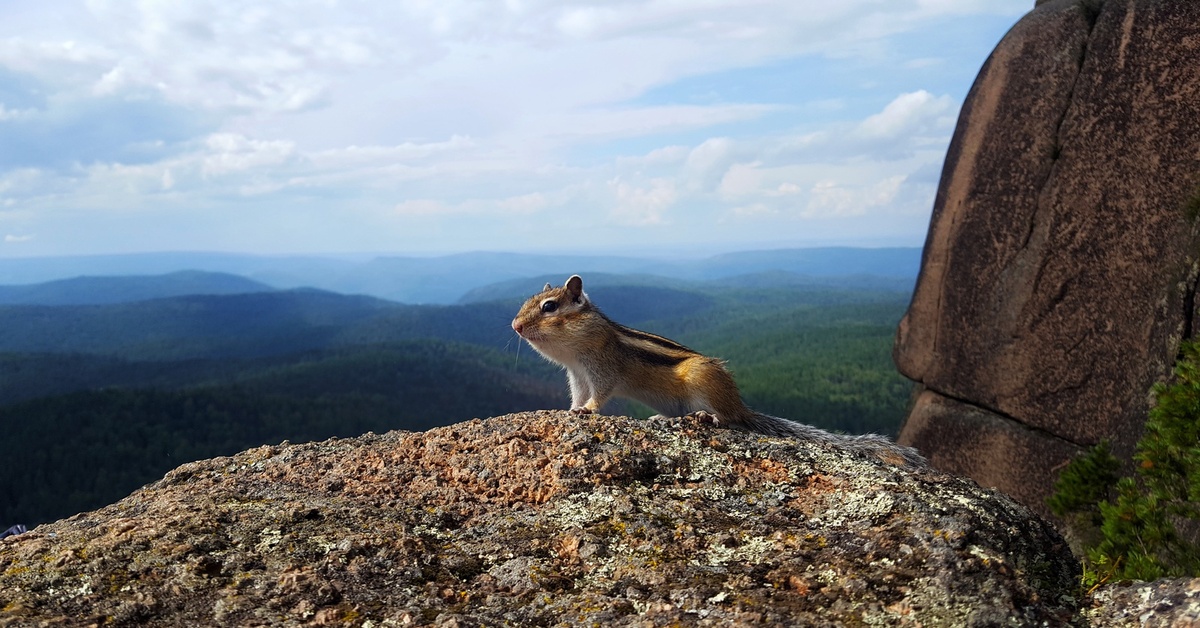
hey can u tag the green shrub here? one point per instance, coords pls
(1083, 485)
(1142, 528)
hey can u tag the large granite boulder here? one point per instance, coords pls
(1059, 273)
(546, 519)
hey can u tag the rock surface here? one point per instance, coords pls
(1059, 273)
(545, 519)
(1172, 602)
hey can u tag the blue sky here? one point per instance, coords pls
(322, 126)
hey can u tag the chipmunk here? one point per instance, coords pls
(603, 358)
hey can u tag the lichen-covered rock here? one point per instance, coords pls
(1060, 269)
(1167, 603)
(545, 519)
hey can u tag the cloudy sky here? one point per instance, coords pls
(308, 126)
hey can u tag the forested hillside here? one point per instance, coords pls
(96, 400)
(66, 453)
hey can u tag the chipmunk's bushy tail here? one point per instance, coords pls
(870, 444)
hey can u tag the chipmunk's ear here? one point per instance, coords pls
(574, 287)
(548, 287)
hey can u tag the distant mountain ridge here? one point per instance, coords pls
(525, 286)
(446, 279)
(92, 290)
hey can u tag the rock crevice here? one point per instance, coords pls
(1015, 422)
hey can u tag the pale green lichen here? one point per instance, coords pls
(752, 550)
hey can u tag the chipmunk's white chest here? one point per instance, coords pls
(559, 354)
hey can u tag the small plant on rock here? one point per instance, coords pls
(1143, 527)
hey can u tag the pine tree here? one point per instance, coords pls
(1144, 529)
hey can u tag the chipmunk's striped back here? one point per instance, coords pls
(651, 348)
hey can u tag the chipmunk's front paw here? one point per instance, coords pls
(703, 417)
(581, 410)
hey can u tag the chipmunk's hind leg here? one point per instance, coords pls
(715, 396)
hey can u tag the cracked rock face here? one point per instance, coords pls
(543, 519)
(1060, 267)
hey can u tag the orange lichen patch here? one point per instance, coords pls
(761, 470)
(798, 584)
(812, 490)
(821, 483)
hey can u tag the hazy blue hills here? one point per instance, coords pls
(830, 288)
(91, 290)
(286, 271)
(817, 262)
(188, 327)
(446, 279)
(280, 322)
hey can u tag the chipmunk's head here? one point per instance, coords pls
(551, 315)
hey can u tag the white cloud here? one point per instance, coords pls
(289, 56)
(885, 191)
(667, 155)
(512, 206)
(750, 179)
(12, 239)
(642, 205)
(58, 60)
(830, 198)
(231, 152)
(525, 203)
(707, 163)
(584, 112)
(640, 121)
(422, 207)
(112, 82)
(275, 56)
(22, 182)
(741, 179)
(917, 111)
(952, 7)
(788, 188)
(7, 114)
(924, 62)
(754, 210)
(408, 151)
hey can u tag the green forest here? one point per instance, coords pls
(98, 400)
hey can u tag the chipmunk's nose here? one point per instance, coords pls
(517, 326)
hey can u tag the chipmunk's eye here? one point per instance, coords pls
(549, 306)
